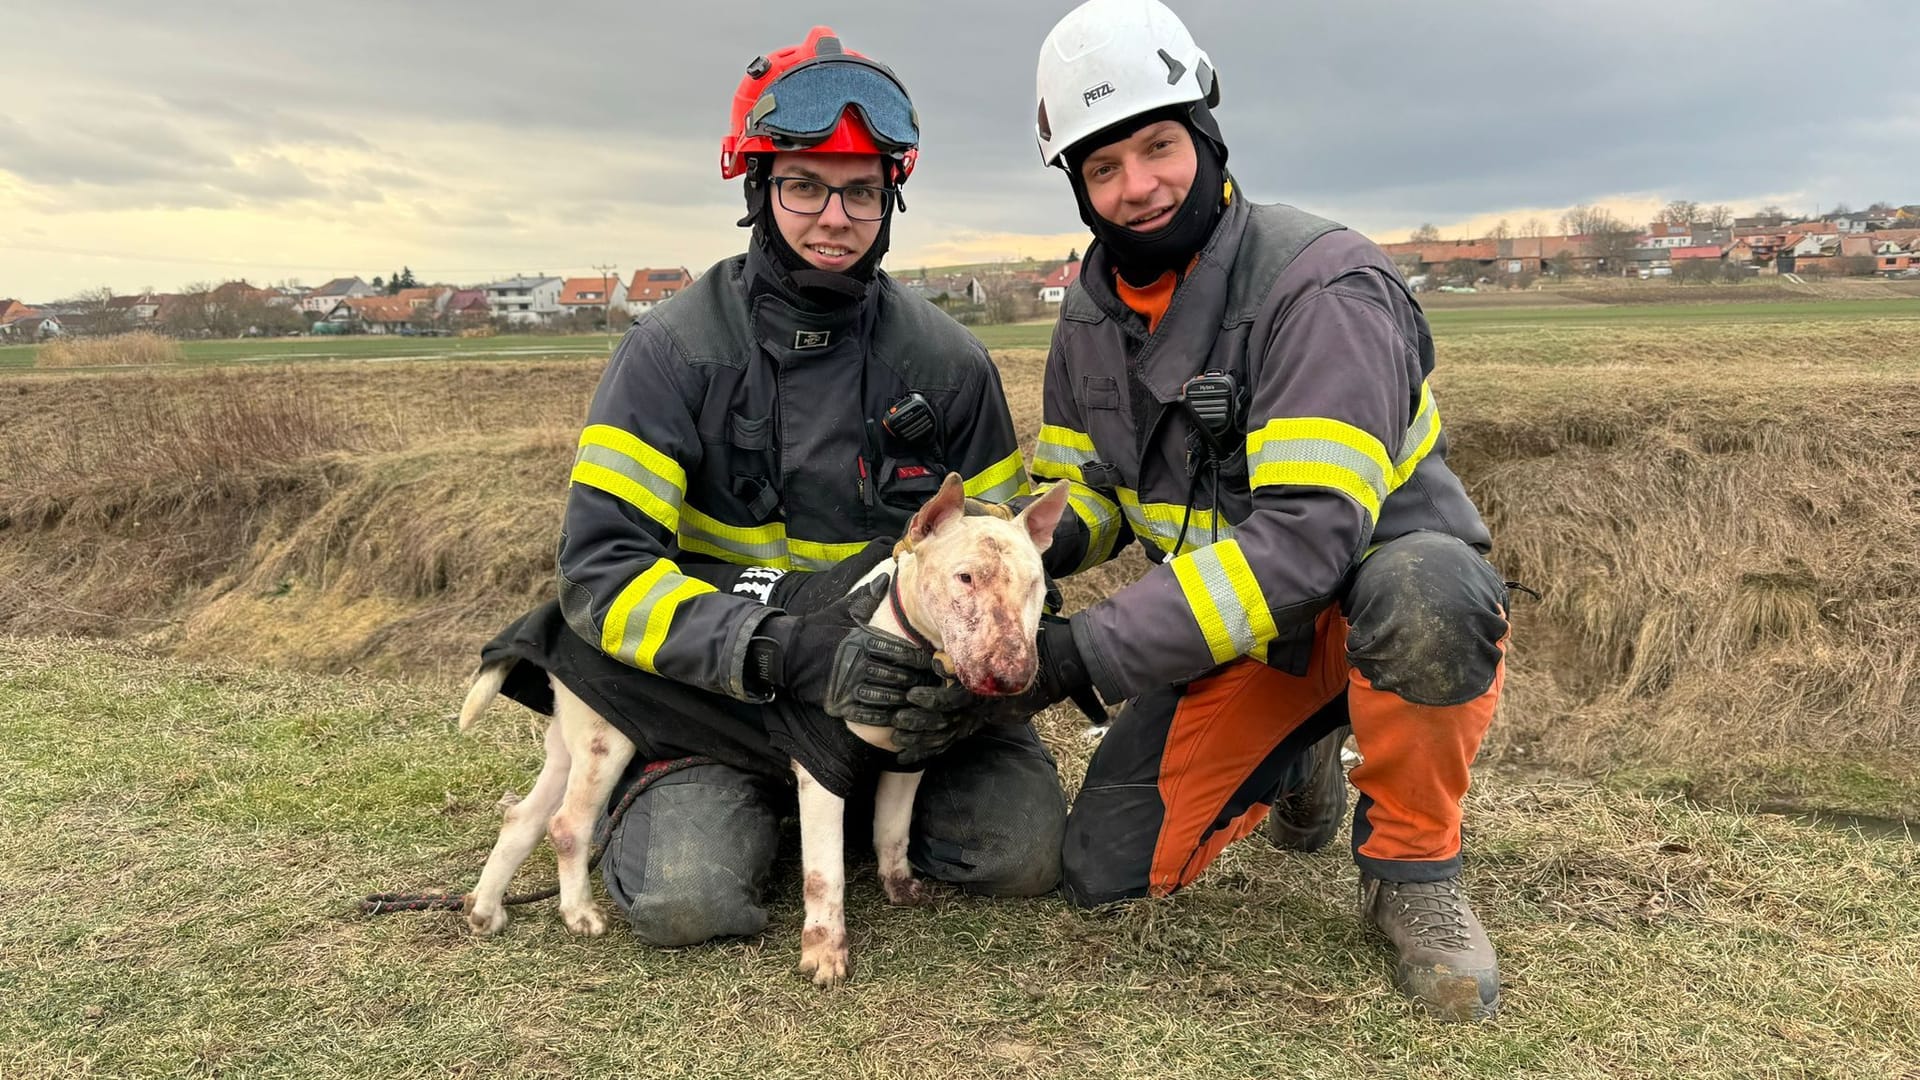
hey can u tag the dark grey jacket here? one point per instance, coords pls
(734, 436)
(1341, 448)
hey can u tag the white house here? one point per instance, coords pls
(525, 299)
(323, 299)
(1053, 288)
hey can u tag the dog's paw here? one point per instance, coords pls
(488, 922)
(823, 956)
(905, 890)
(585, 919)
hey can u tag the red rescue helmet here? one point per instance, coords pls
(820, 98)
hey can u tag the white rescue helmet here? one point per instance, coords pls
(1108, 60)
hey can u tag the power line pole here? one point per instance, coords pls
(607, 280)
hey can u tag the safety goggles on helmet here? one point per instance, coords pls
(803, 107)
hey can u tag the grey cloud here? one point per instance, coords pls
(1396, 110)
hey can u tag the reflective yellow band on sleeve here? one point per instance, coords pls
(624, 466)
(642, 614)
(1324, 453)
(1000, 481)
(1225, 599)
(1062, 452)
(1102, 519)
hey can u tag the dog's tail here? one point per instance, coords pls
(486, 686)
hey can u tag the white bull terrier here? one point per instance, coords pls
(970, 585)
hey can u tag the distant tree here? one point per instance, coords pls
(1533, 227)
(1502, 231)
(1465, 271)
(92, 312)
(1608, 238)
(1841, 208)
(1680, 212)
(401, 280)
(1073, 255)
(1856, 265)
(1886, 208)
(1718, 216)
(1426, 234)
(189, 313)
(1772, 210)
(379, 282)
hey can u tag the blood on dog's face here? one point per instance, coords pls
(979, 590)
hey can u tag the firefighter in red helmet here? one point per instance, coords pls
(742, 466)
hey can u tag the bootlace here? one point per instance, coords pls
(1433, 911)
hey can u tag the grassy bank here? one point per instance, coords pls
(185, 841)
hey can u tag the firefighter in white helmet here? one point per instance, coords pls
(1243, 389)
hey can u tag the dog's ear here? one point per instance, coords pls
(948, 504)
(1042, 515)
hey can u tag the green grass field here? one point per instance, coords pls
(1033, 335)
(185, 844)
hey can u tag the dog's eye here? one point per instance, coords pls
(965, 578)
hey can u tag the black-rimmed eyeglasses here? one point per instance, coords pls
(861, 202)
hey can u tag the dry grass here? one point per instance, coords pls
(1724, 535)
(138, 348)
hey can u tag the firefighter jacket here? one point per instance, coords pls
(1337, 445)
(735, 435)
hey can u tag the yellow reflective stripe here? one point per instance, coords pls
(1160, 523)
(641, 615)
(758, 545)
(810, 555)
(633, 446)
(1225, 599)
(1102, 519)
(762, 545)
(1421, 435)
(623, 466)
(999, 482)
(1061, 452)
(1320, 452)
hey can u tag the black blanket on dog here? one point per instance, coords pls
(665, 719)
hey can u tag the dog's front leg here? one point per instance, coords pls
(823, 944)
(892, 818)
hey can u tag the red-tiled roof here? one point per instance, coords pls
(587, 291)
(1447, 250)
(1063, 277)
(651, 285)
(1703, 251)
(381, 308)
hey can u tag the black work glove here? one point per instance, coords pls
(939, 716)
(801, 592)
(832, 660)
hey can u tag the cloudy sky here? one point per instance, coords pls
(148, 144)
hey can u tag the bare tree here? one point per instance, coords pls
(1533, 228)
(92, 312)
(1426, 234)
(1772, 210)
(1609, 239)
(1718, 216)
(1502, 231)
(1680, 212)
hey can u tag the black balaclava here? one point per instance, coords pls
(824, 289)
(1140, 257)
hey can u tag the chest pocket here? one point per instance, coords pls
(907, 481)
(740, 452)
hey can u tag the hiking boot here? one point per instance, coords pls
(1446, 962)
(1308, 806)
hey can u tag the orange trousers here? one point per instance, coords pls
(1185, 771)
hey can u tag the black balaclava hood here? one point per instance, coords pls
(1141, 257)
(825, 289)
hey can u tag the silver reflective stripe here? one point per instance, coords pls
(1004, 490)
(1324, 452)
(615, 461)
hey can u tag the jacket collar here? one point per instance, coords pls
(1168, 357)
